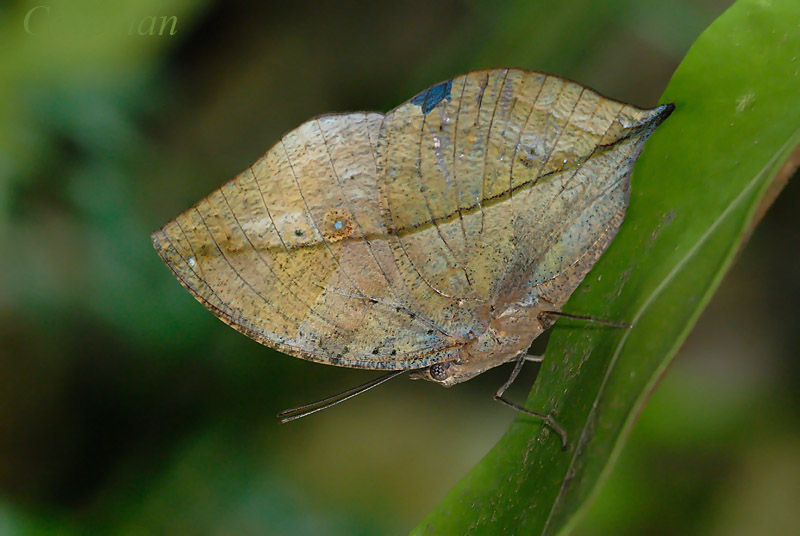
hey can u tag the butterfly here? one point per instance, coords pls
(440, 238)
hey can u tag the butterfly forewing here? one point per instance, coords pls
(293, 253)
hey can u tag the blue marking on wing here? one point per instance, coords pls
(428, 99)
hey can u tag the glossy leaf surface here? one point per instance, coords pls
(694, 193)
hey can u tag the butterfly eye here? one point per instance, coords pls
(439, 371)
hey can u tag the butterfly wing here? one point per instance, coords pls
(386, 242)
(514, 179)
(293, 252)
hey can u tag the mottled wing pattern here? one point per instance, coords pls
(514, 177)
(383, 242)
(293, 252)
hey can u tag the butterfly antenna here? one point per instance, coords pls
(590, 319)
(303, 411)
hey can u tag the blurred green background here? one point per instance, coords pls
(127, 408)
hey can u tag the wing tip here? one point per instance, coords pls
(661, 113)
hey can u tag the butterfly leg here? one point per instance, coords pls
(588, 319)
(548, 420)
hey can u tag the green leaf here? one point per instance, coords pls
(694, 194)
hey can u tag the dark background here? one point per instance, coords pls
(126, 407)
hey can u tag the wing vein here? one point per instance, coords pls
(235, 271)
(353, 212)
(272, 272)
(314, 224)
(578, 167)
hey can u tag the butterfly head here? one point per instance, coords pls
(447, 373)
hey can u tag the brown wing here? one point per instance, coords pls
(507, 182)
(293, 253)
(383, 242)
